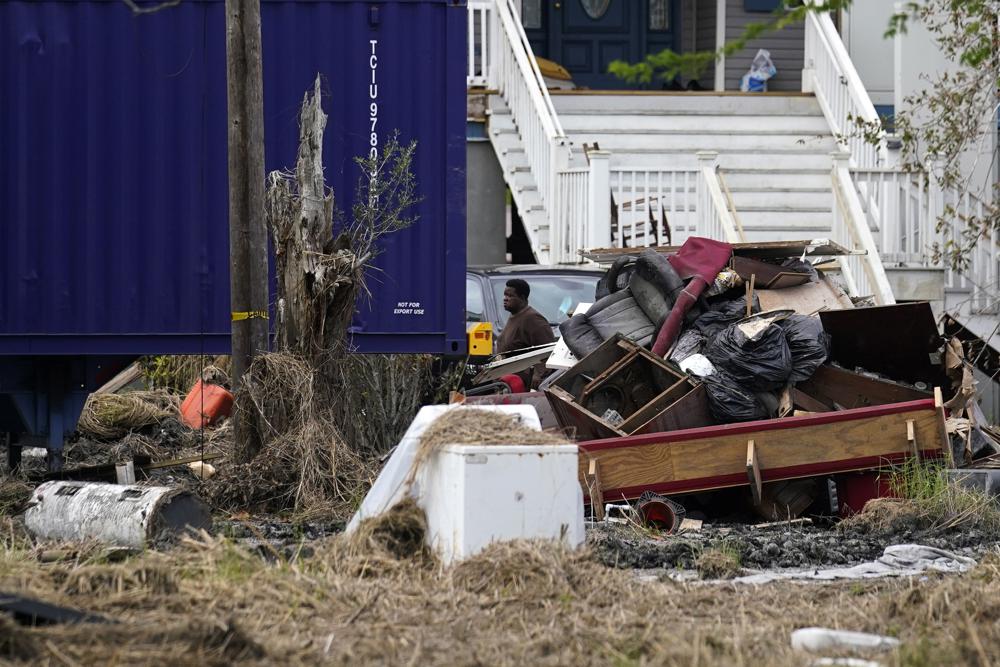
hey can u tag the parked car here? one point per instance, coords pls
(556, 291)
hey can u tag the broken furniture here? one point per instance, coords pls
(752, 453)
(833, 388)
(896, 341)
(623, 389)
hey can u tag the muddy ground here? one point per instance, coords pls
(773, 546)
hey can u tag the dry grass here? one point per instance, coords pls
(470, 426)
(926, 501)
(14, 494)
(178, 373)
(112, 416)
(719, 562)
(364, 600)
(322, 432)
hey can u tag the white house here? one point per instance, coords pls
(584, 160)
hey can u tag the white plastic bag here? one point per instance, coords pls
(761, 69)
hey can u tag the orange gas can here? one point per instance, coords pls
(206, 404)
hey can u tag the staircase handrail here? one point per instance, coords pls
(714, 217)
(513, 31)
(828, 67)
(849, 212)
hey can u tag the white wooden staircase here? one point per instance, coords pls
(773, 151)
(589, 170)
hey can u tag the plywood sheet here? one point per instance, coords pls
(807, 299)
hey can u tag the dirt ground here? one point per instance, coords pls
(277, 596)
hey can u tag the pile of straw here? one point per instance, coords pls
(112, 416)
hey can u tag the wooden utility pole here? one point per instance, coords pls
(248, 277)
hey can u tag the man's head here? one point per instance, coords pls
(515, 296)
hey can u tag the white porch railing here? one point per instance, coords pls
(665, 206)
(864, 274)
(568, 233)
(829, 73)
(653, 206)
(514, 73)
(901, 209)
(981, 274)
(480, 16)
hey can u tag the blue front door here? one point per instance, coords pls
(584, 36)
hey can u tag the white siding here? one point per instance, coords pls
(705, 15)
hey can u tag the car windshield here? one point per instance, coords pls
(554, 296)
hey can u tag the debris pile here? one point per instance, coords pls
(712, 366)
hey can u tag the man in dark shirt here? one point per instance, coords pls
(525, 327)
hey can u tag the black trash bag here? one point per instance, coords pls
(690, 342)
(730, 403)
(723, 313)
(761, 363)
(808, 343)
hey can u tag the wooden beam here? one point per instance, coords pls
(830, 384)
(911, 438)
(713, 457)
(753, 471)
(594, 490)
(949, 455)
(807, 402)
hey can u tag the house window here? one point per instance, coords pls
(531, 14)
(659, 15)
(887, 114)
(595, 8)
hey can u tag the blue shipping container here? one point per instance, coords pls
(113, 189)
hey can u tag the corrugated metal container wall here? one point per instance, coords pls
(113, 201)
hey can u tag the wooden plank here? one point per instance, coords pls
(830, 384)
(607, 374)
(911, 438)
(691, 411)
(753, 471)
(594, 490)
(715, 457)
(663, 401)
(807, 402)
(124, 378)
(949, 455)
(805, 299)
(579, 423)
